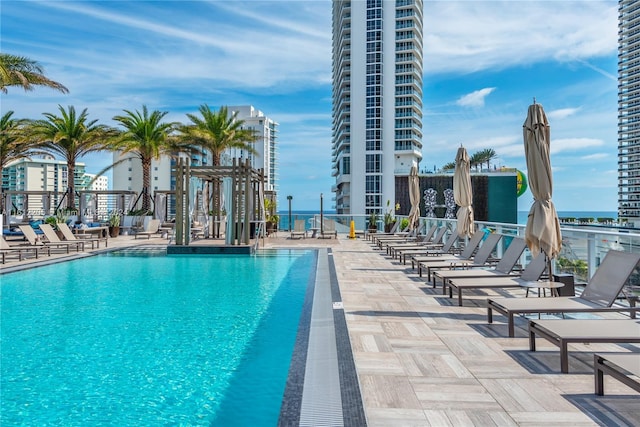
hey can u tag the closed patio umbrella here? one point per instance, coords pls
(462, 193)
(414, 198)
(543, 228)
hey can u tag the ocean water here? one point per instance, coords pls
(522, 215)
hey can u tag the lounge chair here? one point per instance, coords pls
(598, 296)
(34, 240)
(397, 238)
(562, 332)
(502, 268)
(393, 232)
(447, 248)
(299, 229)
(70, 237)
(431, 239)
(532, 272)
(6, 249)
(329, 230)
(466, 253)
(620, 366)
(480, 258)
(152, 228)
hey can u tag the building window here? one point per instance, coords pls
(373, 163)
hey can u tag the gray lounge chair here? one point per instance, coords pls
(432, 250)
(431, 240)
(466, 253)
(402, 237)
(502, 268)
(598, 296)
(562, 332)
(620, 366)
(532, 272)
(481, 257)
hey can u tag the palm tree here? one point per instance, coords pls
(71, 136)
(449, 166)
(148, 138)
(13, 145)
(476, 160)
(21, 71)
(486, 155)
(215, 132)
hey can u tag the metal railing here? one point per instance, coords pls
(583, 246)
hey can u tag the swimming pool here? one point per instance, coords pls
(137, 340)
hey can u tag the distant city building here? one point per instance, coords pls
(45, 175)
(128, 175)
(100, 183)
(377, 100)
(628, 111)
(266, 146)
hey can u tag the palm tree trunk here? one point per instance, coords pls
(146, 180)
(71, 185)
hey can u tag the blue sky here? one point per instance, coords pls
(484, 62)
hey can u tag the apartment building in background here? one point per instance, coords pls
(629, 111)
(128, 174)
(377, 100)
(46, 175)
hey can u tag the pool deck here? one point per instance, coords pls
(423, 361)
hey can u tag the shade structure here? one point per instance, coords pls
(414, 198)
(543, 228)
(462, 193)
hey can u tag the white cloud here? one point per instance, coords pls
(595, 156)
(475, 99)
(574, 144)
(465, 36)
(562, 113)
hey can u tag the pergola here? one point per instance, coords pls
(237, 189)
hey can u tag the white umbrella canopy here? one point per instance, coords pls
(543, 228)
(414, 198)
(462, 193)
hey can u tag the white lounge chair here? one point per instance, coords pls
(299, 229)
(6, 249)
(329, 230)
(54, 242)
(152, 228)
(70, 237)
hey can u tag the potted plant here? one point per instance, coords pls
(54, 220)
(389, 219)
(373, 222)
(272, 219)
(114, 225)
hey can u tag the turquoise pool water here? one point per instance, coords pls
(162, 340)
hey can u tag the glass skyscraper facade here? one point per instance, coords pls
(377, 100)
(629, 111)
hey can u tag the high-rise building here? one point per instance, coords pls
(265, 146)
(377, 100)
(629, 111)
